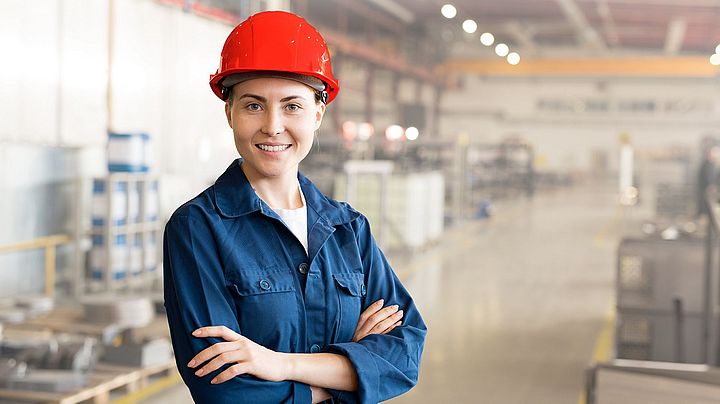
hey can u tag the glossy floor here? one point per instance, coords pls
(514, 304)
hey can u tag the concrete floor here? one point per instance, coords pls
(514, 305)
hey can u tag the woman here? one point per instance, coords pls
(274, 292)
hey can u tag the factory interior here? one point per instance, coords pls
(542, 176)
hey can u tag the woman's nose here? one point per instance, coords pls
(273, 124)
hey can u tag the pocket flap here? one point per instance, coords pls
(256, 283)
(352, 283)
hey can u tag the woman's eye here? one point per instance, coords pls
(253, 107)
(293, 107)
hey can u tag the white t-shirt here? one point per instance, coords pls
(296, 220)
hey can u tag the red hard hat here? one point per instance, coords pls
(275, 41)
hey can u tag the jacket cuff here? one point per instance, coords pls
(301, 393)
(366, 369)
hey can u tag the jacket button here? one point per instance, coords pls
(264, 285)
(303, 268)
(363, 290)
(315, 348)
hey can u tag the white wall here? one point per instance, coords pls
(54, 78)
(491, 109)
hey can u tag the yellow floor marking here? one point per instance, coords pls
(603, 344)
(152, 389)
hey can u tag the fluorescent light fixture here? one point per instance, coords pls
(412, 133)
(715, 59)
(394, 132)
(448, 11)
(469, 26)
(513, 58)
(487, 39)
(502, 50)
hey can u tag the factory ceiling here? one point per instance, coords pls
(660, 38)
(673, 27)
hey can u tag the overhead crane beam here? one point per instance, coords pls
(369, 54)
(690, 67)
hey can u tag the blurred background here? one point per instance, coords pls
(540, 173)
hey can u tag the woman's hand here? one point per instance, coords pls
(319, 394)
(377, 320)
(246, 356)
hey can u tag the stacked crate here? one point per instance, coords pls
(125, 217)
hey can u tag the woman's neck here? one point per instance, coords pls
(280, 192)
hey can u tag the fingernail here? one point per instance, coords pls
(400, 313)
(199, 372)
(191, 364)
(213, 381)
(197, 332)
(395, 307)
(380, 302)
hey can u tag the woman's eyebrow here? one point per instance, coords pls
(292, 97)
(263, 99)
(257, 97)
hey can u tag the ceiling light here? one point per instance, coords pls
(394, 132)
(448, 11)
(487, 39)
(349, 130)
(715, 59)
(365, 131)
(412, 133)
(513, 58)
(502, 50)
(469, 26)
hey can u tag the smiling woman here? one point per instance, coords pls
(273, 121)
(274, 292)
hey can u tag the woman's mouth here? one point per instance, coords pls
(269, 148)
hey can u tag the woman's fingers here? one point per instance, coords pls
(387, 316)
(387, 323)
(372, 309)
(392, 327)
(217, 331)
(211, 352)
(215, 349)
(219, 361)
(234, 370)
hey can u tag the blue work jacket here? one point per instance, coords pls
(230, 260)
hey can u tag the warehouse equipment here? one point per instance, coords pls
(121, 311)
(668, 304)
(139, 354)
(674, 200)
(660, 310)
(63, 351)
(632, 382)
(406, 210)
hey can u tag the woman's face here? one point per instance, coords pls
(273, 122)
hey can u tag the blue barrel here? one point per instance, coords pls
(128, 152)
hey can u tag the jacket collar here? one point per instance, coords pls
(234, 197)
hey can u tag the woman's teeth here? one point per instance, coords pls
(273, 148)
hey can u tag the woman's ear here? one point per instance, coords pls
(319, 114)
(228, 113)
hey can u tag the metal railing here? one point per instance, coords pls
(49, 244)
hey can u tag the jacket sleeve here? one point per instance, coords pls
(387, 365)
(196, 296)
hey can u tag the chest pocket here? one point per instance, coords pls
(351, 290)
(266, 303)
